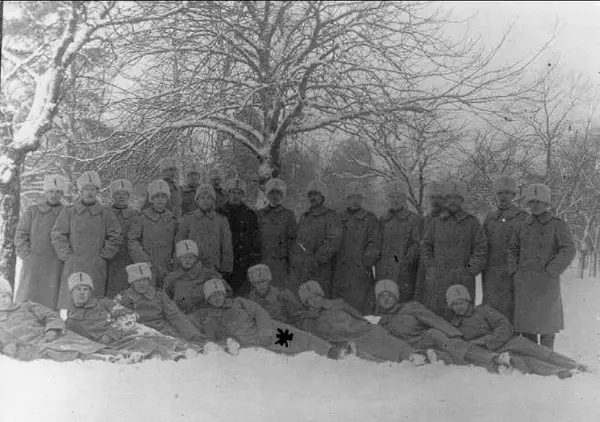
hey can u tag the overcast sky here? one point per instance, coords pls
(577, 27)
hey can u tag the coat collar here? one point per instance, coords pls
(317, 211)
(44, 208)
(509, 213)
(154, 216)
(201, 214)
(126, 212)
(91, 303)
(188, 188)
(274, 209)
(458, 216)
(360, 214)
(542, 219)
(402, 214)
(94, 209)
(135, 296)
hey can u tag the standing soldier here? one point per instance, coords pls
(170, 174)
(216, 176)
(210, 230)
(360, 248)
(120, 190)
(278, 228)
(541, 248)
(188, 191)
(318, 241)
(453, 250)
(498, 225)
(245, 235)
(401, 236)
(152, 234)
(86, 235)
(41, 269)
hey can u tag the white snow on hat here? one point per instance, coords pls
(505, 183)
(138, 271)
(205, 187)
(55, 182)
(158, 186)
(120, 185)
(455, 292)
(212, 286)
(396, 186)
(192, 168)
(317, 186)
(275, 184)
(167, 163)
(456, 187)
(538, 192)
(89, 178)
(259, 272)
(309, 289)
(78, 278)
(5, 286)
(185, 247)
(387, 286)
(355, 188)
(235, 183)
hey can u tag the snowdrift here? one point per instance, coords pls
(260, 386)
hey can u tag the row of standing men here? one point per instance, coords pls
(521, 255)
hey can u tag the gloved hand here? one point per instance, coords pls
(417, 359)
(51, 335)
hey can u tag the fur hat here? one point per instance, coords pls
(259, 272)
(138, 271)
(192, 168)
(434, 189)
(212, 286)
(78, 278)
(317, 186)
(456, 187)
(505, 183)
(396, 186)
(5, 286)
(236, 183)
(275, 184)
(120, 185)
(158, 186)
(205, 187)
(89, 178)
(55, 182)
(455, 292)
(167, 163)
(387, 286)
(539, 192)
(308, 289)
(184, 247)
(355, 188)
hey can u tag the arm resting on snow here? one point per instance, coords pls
(60, 234)
(333, 239)
(565, 250)
(113, 239)
(48, 317)
(22, 236)
(432, 320)
(501, 328)
(258, 313)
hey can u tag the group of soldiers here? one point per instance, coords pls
(519, 254)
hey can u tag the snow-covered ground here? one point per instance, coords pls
(260, 386)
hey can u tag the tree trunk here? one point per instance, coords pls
(11, 164)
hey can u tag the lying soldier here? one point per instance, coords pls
(423, 329)
(339, 323)
(489, 329)
(31, 331)
(281, 304)
(103, 320)
(251, 325)
(154, 308)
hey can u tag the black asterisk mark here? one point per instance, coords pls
(283, 337)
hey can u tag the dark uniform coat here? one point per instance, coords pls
(117, 275)
(188, 199)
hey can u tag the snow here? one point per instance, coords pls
(260, 386)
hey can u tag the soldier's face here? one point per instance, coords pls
(437, 202)
(5, 301)
(188, 260)
(121, 197)
(236, 196)
(141, 286)
(217, 299)
(460, 306)
(216, 181)
(261, 287)
(81, 294)
(537, 207)
(354, 202)
(88, 194)
(386, 300)
(159, 201)
(315, 199)
(397, 200)
(315, 301)
(505, 198)
(454, 202)
(170, 172)
(53, 196)
(193, 178)
(205, 201)
(275, 197)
